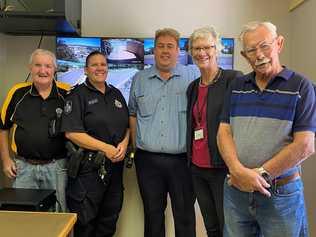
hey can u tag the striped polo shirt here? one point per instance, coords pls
(263, 122)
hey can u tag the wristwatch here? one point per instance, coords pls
(265, 174)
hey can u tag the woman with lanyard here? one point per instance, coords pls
(205, 102)
(96, 121)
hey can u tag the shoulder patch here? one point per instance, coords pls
(118, 104)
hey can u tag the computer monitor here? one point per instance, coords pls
(125, 56)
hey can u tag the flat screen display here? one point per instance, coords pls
(125, 56)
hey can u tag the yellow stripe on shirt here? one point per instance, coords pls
(13, 144)
(9, 98)
(63, 85)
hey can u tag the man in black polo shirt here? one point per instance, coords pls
(31, 113)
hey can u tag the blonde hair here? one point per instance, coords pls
(167, 32)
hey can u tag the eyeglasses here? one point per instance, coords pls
(264, 47)
(205, 48)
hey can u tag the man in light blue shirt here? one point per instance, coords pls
(157, 107)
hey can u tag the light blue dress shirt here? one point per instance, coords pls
(160, 108)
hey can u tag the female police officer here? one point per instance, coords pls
(96, 120)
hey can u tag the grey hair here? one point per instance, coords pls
(208, 33)
(43, 52)
(253, 25)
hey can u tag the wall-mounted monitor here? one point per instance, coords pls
(149, 51)
(226, 56)
(71, 55)
(125, 56)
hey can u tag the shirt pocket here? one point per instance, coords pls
(146, 105)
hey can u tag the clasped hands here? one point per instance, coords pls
(116, 154)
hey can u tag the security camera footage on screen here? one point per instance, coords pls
(125, 56)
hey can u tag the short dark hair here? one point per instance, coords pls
(93, 53)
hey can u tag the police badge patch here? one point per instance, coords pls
(68, 107)
(118, 104)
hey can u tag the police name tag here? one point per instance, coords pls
(198, 134)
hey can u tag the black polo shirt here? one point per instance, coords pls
(102, 116)
(29, 116)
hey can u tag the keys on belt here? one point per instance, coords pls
(102, 172)
(103, 165)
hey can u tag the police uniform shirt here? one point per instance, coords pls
(30, 116)
(102, 116)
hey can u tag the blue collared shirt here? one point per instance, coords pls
(160, 108)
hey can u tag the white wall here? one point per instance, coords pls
(303, 51)
(303, 39)
(140, 18)
(14, 56)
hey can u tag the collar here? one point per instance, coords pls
(285, 74)
(53, 94)
(154, 72)
(88, 84)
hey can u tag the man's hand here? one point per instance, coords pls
(9, 168)
(249, 180)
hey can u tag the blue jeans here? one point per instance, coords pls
(253, 214)
(48, 176)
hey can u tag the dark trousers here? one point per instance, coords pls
(97, 205)
(161, 174)
(208, 185)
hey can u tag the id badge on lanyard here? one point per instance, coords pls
(198, 134)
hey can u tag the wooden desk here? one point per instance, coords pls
(36, 224)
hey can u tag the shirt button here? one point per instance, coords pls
(161, 135)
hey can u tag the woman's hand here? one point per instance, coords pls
(122, 148)
(110, 152)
